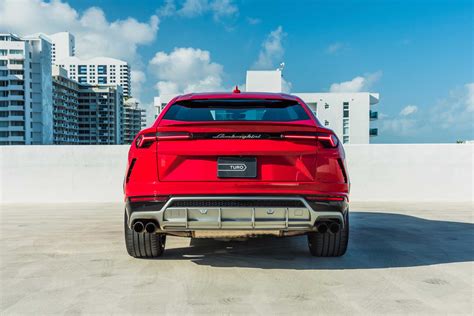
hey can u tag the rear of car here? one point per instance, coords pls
(227, 165)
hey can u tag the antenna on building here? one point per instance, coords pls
(280, 68)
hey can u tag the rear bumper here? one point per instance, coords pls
(236, 213)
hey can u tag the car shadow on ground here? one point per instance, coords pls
(377, 240)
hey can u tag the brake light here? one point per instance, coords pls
(145, 140)
(327, 140)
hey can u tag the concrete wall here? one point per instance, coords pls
(42, 174)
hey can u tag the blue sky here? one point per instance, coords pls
(417, 54)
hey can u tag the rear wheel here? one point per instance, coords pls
(143, 245)
(328, 244)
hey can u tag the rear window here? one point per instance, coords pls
(236, 110)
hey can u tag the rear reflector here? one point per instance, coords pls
(325, 198)
(153, 198)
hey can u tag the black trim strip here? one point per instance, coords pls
(129, 172)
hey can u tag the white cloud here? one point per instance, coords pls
(193, 8)
(358, 84)
(408, 110)
(469, 97)
(138, 79)
(450, 119)
(272, 50)
(186, 70)
(223, 8)
(286, 85)
(253, 21)
(95, 35)
(335, 47)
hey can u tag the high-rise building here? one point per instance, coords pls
(63, 46)
(100, 114)
(133, 120)
(98, 71)
(65, 108)
(26, 107)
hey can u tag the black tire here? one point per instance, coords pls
(328, 244)
(143, 245)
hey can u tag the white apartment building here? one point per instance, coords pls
(99, 71)
(65, 107)
(26, 107)
(63, 46)
(350, 115)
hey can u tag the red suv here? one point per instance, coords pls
(232, 165)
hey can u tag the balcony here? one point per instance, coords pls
(373, 132)
(373, 115)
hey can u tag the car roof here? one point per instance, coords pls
(234, 95)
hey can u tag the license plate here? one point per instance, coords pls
(236, 167)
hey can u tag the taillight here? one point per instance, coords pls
(172, 135)
(327, 140)
(145, 140)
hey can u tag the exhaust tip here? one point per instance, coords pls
(322, 228)
(334, 228)
(150, 228)
(138, 227)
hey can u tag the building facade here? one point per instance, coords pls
(350, 115)
(65, 108)
(100, 115)
(133, 120)
(101, 71)
(26, 107)
(63, 46)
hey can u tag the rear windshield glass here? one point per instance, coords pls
(236, 110)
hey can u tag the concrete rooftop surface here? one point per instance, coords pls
(402, 258)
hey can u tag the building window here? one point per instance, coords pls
(345, 127)
(3, 52)
(102, 80)
(345, 109)
(82, 79)
(345, 139)
(326, 123)
(102, 69)
(16, 51)
(326, 106)
(82, 69)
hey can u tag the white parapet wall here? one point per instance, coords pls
(82, 174)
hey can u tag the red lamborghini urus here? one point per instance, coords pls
(224, 165)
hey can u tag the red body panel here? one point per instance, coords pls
(286, 166)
